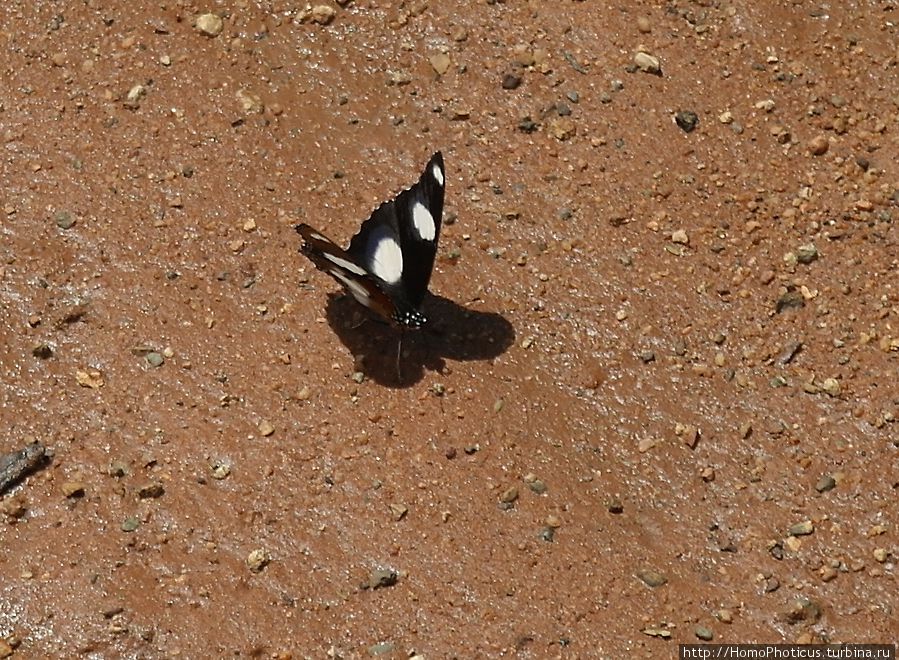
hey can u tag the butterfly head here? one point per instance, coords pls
(410, 318)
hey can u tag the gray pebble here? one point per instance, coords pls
(789, 352)
(511, 81)
(686, 120)
(806, 254)
(537, 486)
(64, 220)
(154, 359)
(380, 578)
(652, 578)
(381, 648)
(703, 633)
(803, 528)
(825, 484)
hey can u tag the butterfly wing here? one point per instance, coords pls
(388, 264)
(398, 243)
(331, 259)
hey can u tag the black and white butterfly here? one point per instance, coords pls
(388, 264)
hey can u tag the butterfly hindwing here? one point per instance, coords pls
(388, 264)
(331, 259)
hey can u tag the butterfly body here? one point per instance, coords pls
(387, 266)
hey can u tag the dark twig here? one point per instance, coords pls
(17, 464)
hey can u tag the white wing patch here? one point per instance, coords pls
(343, 263)
(423, 221)
(358, 291)
(387, 258)
(437, 173)
(387, 262)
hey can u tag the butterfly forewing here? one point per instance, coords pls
(420, 211)
(410, 222)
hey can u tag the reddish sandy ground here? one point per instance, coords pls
(657, 402)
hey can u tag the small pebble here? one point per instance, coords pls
(793, 543)
(831, 386)
(777, 550)
(511, 81)
(652, 578)
(265, 428)
(323, 14)
(825, 484)
(381, 648)
(648, 63)
(686, 120)
(680, 236)
(807, 253)
(703, 633)
(509, 495)
(64, 219)
(536, 485)
(257, 560)
(828, 574)
(72, 489)
(647, 356)
(380, 578)
(440, 63)
(803, 609)
(818, 145)
(220, 470)
(150, 491)
(154, 359)
(134, 95)
(42, 351)
(209, 25)
(803, 528)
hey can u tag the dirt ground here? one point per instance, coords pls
(657, 402)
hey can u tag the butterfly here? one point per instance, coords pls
(388, 265)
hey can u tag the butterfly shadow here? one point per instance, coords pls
(453, 332)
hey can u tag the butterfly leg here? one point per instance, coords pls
(399, 355)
